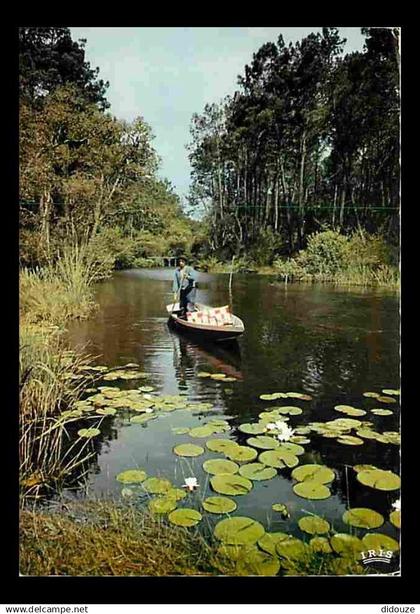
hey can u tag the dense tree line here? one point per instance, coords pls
(309, 141)
(82, 171)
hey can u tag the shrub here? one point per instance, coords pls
(325, 253)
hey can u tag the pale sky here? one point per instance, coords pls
(167, 74)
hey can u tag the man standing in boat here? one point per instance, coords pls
(184, 286)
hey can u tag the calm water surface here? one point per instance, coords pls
(332, 343)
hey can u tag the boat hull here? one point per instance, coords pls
(207, 331)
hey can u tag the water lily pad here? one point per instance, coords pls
(269, 541)
(143, 418)
(312, 472)
(278, 458)
(371, 395)
(220, 465)
(347, 545)
(321, 545)
(132, 476)
(146, 388)
(313, 525)
(299, 395)
(201, 431)
(379, 541)
(384, 399)
(379, 479)
(162, 505)
(392, 437)
(219, 505)
(367, 433)
(363, 518)
(185, 517)
(106, 411)
(290, 410)
(358, 468)
(395, 518)
(263, 442)
(291, 548)
(127, 493)
(88, 433)
(176, 493)
(257, 563)
(391, 391)
(282, 509)
(157, 486)
(381, 412)
(241, 453)
(180, 430)
(303, 430)
(230, 484)
(349, 410)
(349, 440)
(203, 374)
(239, 530)
(252, 429)
(300, 439)
(257, 471)
(220, 445)
(294, 448)
(218, 376)
(188, 449)
(311, 489)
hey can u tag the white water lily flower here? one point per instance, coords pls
(149, 410)
(191, 484)
(285, 431)
(147, 396)
(397, 505)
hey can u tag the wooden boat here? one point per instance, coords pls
(212, 332)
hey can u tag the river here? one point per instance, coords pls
(331, 343)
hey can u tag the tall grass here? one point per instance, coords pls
(52, 377)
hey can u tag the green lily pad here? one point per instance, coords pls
(269, 541)
(291, 548)
(349, 440)
(218, 376)
(363, 518)
(391, 391)
(162, 505)
(132, 476)
(219, 505)
(88, 433)
(386, 399)
(349, 410)
(381, 412)
(201, 431)
(395, 518)
(278, 458)
(220, 445)
(251, 429)
(312, 472)
(392, 437)
(289, 410)
(257, 563)
(303, 430)
(157, 486)
(220, 465)
(282, 509)
(203, 374)
(371, 395)
(378, 541)
(347, 545)
(176, 493)
(379, 479)
(185, 517)
(180, 430)
(311, 489)
(313, 525)
(294, 448)
(300, 439)
(239, 530)
(241, 453)
(321, 545)
(257, 471)
(106, 411)
(299, 395)
(263, 441)
(141, 419)
(367, 433)
(358, 468)
(230, 484)
(188, 449)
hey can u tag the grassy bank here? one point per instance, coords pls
(360, 259)
(101, 538)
